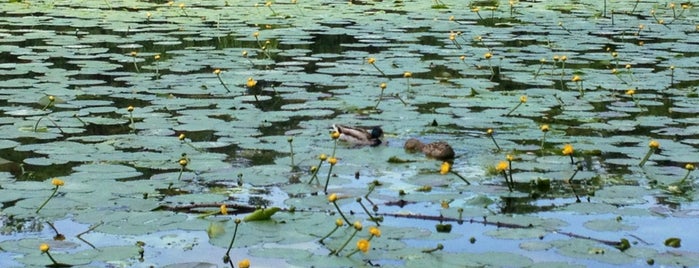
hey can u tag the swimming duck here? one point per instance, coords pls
(438, 150)
(359, 136)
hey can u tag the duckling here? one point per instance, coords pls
(359, 136)
(438, 150)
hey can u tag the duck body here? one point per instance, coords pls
(359, 136)
(438, 150)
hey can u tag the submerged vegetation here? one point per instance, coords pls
(191, 134)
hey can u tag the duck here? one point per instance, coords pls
(439, 150)
(359, 136)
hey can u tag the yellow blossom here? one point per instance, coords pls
(374, 231)
(332, 197)
(181, 5)
(489, 132)
(245, 263)
(322, 157)
(335, 135)
(488, 55)
(382, 86)
(44, 247)
(156, 57)
(555, 57)
(129, 109)
(224, 210)
(181, 137)
(509, 157)
(363, 245)
(445, 168)
(251, 82)
(576, 78)
(332, 160)
(217, 71)
(134, 53)
(183, 162)
(371, 60)
(630, 92)
(57, 182)
(614, 71)
(502, 166)
(475, 9)
(628, 66)
(452, 36)
(568, 149)
(407, 74)
(245, 53)
(689, 166)
(654, 144)
(462, 57)
(52, 98)
(256, 34)
(544, 128)
(339, 222)
(615, 54)
(357, 225)
(523, 99)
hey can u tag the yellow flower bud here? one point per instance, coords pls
(374, 231)
(502, 166)
(245, 263)
(357, 225)
(322, 157)
(156, 57)
(339, 222)
(630, 92)
(44, 248)
(363, 245)
(129, 109)
(445, 168)
(52, 98)
(382, 86)
(217, 71)
(224, 210)
(332, 197)
(488, 55)
(335, 135)
(332, 160)
(576, 78)
(489, 132)
(544, 128)
(407, 74)
(523, 99)
(689, 166)
(57, 182)
(251, 82)
(509, 157)
(568, 149)
(654, 144)
(181, 137)
(371, 60)
(183, 162)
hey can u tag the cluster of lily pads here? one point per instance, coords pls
(139, 129)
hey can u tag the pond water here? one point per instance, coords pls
(156, 113)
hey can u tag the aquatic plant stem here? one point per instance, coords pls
(646, 157)
(336, 252)
(218, 75)
(570, 181)
(291, 150)
(55, 190)
(686, 176)
(315, 172)
(543, 142)
(235, 232)
(514, 108)
(55, 263)
(460, 177)
(379, 100)
(329, 234)
(132, 125)
(36, 125)
(495, 142)
(377, 68)
(340, 211)
(509, 186)
(327, 180)
(371, 218)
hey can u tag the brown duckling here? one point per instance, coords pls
(438, 150)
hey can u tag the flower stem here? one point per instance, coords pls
(495, 142)
(685, 177)
(513, 109)
(55, 190)
(235, 232)
(543, 143)
(181, 171)
(377, 68)
(336, 252)
(379, 100)
(645, 158)
(329, 234)
(55, 263)
(222, 83)
(327, 179)
(460, 177)
(371, 218)
(315, 173)
(340, 211)
(509, 186)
